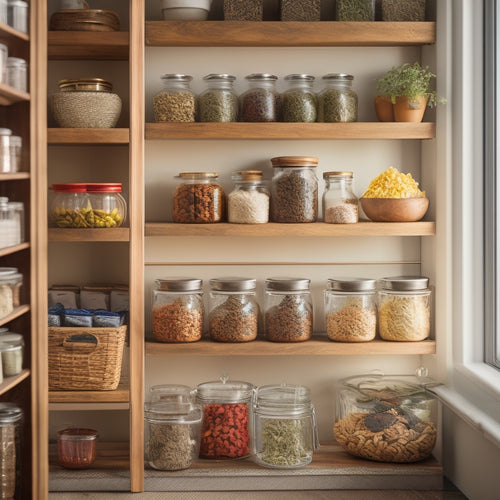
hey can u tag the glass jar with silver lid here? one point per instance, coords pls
(299, 100)
(17, 73)
(219, 102)
(350, 309)
(261, 102)
(337, 102)
(176, 102)
(404, 308)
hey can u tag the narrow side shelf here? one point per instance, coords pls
(120, 395)
(7, 32)
(297, 131)
(74, 136)
(16, 313)
(287, 34)
(314, 347)
(89, 235)
(10, 382)
(13, 249)
(15, 176)
(274, 229)
(10, 95)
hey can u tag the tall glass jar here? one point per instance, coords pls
(233, 310)
(176, 102)
(198, 198)
(340, 204)
(172, 434)
(177, 310)
(288, 310)
(261, 102)
(337, 102)
(285, 433)
(351, 309)
(11, 447)
(299, 100)
(219, 102)
(294, 189)
(404, 308)
(226, 421)
(248, 203)
(17, 13)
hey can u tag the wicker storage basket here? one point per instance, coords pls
(85, 359)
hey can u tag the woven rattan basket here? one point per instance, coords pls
(85, 359)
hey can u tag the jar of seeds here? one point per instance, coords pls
(299, 100)
(218, 103)
(337, 102)
(340, 204)
(351, 311)
(355, 10)
(294, 189)
(243, 10)
(198, 198)
(300, 10)
(11, 417)
(261, 102)
(172, 434)
(288, 310)
(248, 203)
(285, 426)
(177, 310)
(176, 102)
(234, 312)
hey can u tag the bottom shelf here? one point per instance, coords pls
(331, 469)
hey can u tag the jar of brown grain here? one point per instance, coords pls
(177, 310)
(198, 198)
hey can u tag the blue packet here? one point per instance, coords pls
(103, 318)
(55, 314)
(77, 317)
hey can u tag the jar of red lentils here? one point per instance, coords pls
(226, 413)
(177, 310)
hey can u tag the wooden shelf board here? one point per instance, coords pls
(89, 235)
(120, 395)
(16, 313)
(314, 347)
(13, 249)
(14, 176)
(322, 229)
(7, 32)
(75, 136)
(287, 34)
(11, 382)
(10, 95)
(297, 131)
(88, 45)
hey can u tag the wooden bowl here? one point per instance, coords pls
(395, 209)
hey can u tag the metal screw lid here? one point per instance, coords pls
(300, 77)
(220, 76)
(288, 284)
(352, 284)
(233, 284)
(338, 76)
(404, 283)
(179, 284)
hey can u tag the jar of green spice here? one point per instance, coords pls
(299, 100)
(285, 426)
(355, 10)
(218, 103)
(337, 102)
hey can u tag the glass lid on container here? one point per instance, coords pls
(170, 393)
(163, 411)
(77, 434)
(85, 84)
(283, 395)
(10, 413)
(225, 390)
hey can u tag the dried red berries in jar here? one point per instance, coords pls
(76, 447)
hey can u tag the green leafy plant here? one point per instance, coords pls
(409, 80)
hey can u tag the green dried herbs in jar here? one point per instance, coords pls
(337, 102)
(243, 10)
(300, 10)
(299, 101)
(402, 10)
(355, 10)
(219, 102)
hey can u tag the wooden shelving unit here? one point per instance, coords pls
(120, 395)
(96, 136)
(16, 313)
(11, 382)
(14, 249)
(10, 95)
(86, 235)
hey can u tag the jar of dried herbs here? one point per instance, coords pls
(288, 310)
(294, 189)
(285, 426)
(243, 10)
(234, 311)
(172, 434)
(355, 10)
(11, 417)
(337, 102)
(176, 102)
(402, 10)
(219, 102)
(300, 10)
(299, 100)
(261, 102)
(340, 204)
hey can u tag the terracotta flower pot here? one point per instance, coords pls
(384, 108)
(406, 110)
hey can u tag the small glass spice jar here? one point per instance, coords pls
(261, 102)
(198, 198)
(299, 100)
(233, 310)
(248, 203)
(176, 102)
(226, 421)
(12, 359)
(288, 310)
(169, 393)
(17, 14)
(351, 309)
(108, 205)
(11, 446)
(17, 73)
(76, 447)
(337, 102)
(10, 287)
(12, 338)
(219, 102)
(404, 308)
(18, 207)
(294, 189)
(340, 204)
(285, 431)
(9, 224)
(172, 434)
(177, 310)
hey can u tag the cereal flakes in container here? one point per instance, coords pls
(387, 418)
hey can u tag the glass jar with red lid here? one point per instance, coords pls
(88, 205)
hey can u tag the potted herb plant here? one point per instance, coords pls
(405, 89)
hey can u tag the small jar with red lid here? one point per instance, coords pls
(76, 447)
(88, 205)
